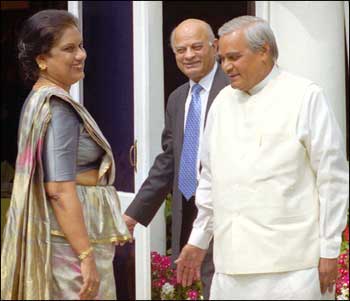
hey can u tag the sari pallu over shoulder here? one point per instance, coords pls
(25, 256)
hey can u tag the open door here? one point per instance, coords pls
(123, 91)
(107, 91)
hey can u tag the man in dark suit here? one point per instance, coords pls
(177, 168)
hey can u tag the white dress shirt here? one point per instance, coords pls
(317, 129)
(206, 83)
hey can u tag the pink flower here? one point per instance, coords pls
(157, 284)
(343, 272)
(173, 280)
(193, 295)
(162, 274)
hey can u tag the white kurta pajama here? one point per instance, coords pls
(273, 190)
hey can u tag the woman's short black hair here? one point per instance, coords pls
(38, 35)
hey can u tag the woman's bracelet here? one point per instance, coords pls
(85, 254)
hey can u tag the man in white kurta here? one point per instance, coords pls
(273, 190)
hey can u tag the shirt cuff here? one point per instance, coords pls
(330, 248)
(200, 239)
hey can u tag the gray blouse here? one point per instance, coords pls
(68, 148)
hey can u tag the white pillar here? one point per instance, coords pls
(149, 122)
(346, 15)
(76, 90)
(156, 111)
(310, 37)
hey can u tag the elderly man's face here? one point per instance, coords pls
(244, 67)
(194, 55)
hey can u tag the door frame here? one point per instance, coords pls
(76, 90)
(149, 122)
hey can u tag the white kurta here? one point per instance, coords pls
(296, 285)
(316, 130)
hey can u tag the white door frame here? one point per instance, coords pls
(76, 90)
(262, 10)
(149, 121)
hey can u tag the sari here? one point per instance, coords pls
(37, 262)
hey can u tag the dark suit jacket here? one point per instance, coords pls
(163, 176)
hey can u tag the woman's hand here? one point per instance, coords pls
(91, 278)
(69, 213)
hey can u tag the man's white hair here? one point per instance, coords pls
(257, 32)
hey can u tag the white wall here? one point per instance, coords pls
(310, 37)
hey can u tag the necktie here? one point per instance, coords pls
(188, 162)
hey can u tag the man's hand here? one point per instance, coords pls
(188, 264)
(130, 223)
(328, 272)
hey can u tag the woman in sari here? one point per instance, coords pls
(64, 217)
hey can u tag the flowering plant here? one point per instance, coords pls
(342, 283)
(164, 284)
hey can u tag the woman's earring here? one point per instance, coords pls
(42, 67)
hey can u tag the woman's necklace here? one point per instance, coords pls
(43, 82)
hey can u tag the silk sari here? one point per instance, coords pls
(37, 263)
